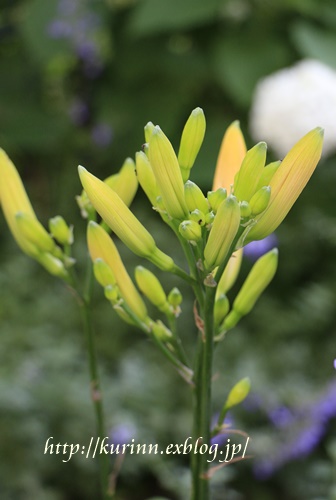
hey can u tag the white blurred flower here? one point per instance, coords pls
(290, 102)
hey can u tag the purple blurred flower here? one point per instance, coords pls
(221, 438)
(122, 434)
(101, 135)
(59, 29)
(256, 249)
(79, 112)
(281, 416)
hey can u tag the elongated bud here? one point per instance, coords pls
(146, 177)
(190, 230)
(245, 209)
(238, 393)
(53, 265)
(221, 309)
(230, 274)
(247, 179)
(102, 247)
(215, 198)
(197, 216)
(209, 218)
(123, 314)
(231, 155)
(194, 198)
(191, 141)
(260, 200)
(103, 273)
(151, 288)
(148, 131)
(122, 221)
(222, 233)
(161, 332)
(111, 292)
(167, 173)
(125, 182)
(34, 232)
(288, 182)
(257, 280)
(175, 297)
(60, 230)
(268, 173)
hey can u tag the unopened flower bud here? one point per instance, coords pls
(221, 309)
(245, 209)
(53, 265)
(161, 332)
(34, 232)
(238, 393)
(194, 198)
(151, 287)
(190, 230)
(247, 178)
(60, 230)
(260, 200)
(268, 173)
(231, 271)
(103, 273)
(148, 131)
(222, 233)
(125, 182)
(175, 297)
(209, 218)
(197, 216)
(215, 198)
(146, 177)
(111, 292)
(191, 141)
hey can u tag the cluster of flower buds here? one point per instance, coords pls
(27, 230)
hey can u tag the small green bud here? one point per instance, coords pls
(230, 321)
(53, 265)
(191, 141)
(230, 274)
(190, 230)
(61, 231)
(247, 178)
(85, 206)
(245, 209)
(194, 198)
(215, 198)
(123, 314)
(151, 288)
(221, 309)
(148, 131)
(197, 216)
(161, 332)
(238, 393)
(260, 200)
(175, 297)
(209, 218)
(125, 182)
(268, 173)
(222, 233)
(112, 293)
(34, 232)
(103, 273)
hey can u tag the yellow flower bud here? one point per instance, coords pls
(148, 131)
(260, 200)
(61, 231)
(215, 198)
(103, 273)
(53, 265)
(191, 141)
(197, 216)
(111, 292)
(122, 221)
(151, 288)
(146, 177)
(190, 230)
(257, 280)
(231, 155)
(167, 173)
(102, 247)
(288, 182)
(125, 182)
(194, 198)
(34, 232)
(268, 173)
(247, 179)
(221, 309)
(245, 209)
(238, 393)
(222, 233)
(231, 271)
(161, 332)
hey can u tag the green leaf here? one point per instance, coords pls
(314, 42)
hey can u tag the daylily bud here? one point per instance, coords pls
(258, 279)
(85, 206)
(230, 321)
(34, 232)
(288, 182)
(53, 265)
(268, 173)
(102, 247)
(238, 393)
(197, 216)
(194, 198)
(231, 155)
(167, 173)
(148, 131)
(161, 332)
(61, 231)
(123, 314)
(222, 233)
(209, 218)
(151, 288)
(260, 200)
(215, 198)
(245, 209)
(103, 273)
(247, 179)
(175, 297)
(191, 141)
(146, 177)
(190, 230)
(122, 221)
(111, 292)
(125, 182)
(221, 309)
(231, 271)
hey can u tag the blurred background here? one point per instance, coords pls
(79, 80)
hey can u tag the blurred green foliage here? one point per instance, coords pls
(79, 80)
